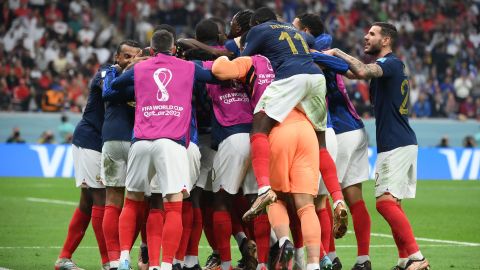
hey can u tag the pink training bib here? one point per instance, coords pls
(163, 92)
(264, 75)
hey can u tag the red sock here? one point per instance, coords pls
(187, 220)
(110, 231)
(127, 224)
(143, 229)
(154, 239)
(331, 246)
(76, 230)
(262, 237)
(172, 230)
(402, 252)
(329, 175)
(97, 220)
(295, 228)
(326, 228)
(323, 252)
(196, 234)
(222, 224)
(261, 158)
(361, 226)
(399, 224)
(208, 227)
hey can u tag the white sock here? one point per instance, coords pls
(332, 255)
(263, 189)
(260, 265)
(166, 266)
(362, 259)
(337, 202)
(125, 255)
(191, 261)
(299, 255)
(175, 261)
(416, 256)
(282, 240)
(402, 262)
(114, 264)
(313, 266)
(239, 238)
(226, 265)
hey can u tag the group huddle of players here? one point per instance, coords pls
(283, 136)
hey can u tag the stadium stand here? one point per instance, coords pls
(51, 48)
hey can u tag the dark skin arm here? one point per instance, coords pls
(195, 44)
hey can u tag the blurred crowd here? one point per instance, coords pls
(49, 49)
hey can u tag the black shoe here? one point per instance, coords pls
(362, 266)
(336, 264)
(396, 267)
(177, 266)
(272, 255)
(213, 261)
(195, 267)
(144, 254)
(284, 258)
(248, 249)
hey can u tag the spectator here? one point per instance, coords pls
(422, 107)
(463, 86)
(65, 129)
(53, 99)
(21, 96)
(469, 142)
(451, 106)
(444, 142)
(15, 137)
(467, 108)
(47, 137)
(438, 105)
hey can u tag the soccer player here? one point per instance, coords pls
(116, 134)
(298, 82)
(239, 25)
(351, 139)
(396, 165)
(162, 119)
(256, 72)
(294, 171)
(86, 150)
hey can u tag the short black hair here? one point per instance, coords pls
(162, 41)
(167, 27)
(207, 30)
(128, 42)
(261, 15)
(313, 22)
(388, 30)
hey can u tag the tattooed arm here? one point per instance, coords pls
(359, 69)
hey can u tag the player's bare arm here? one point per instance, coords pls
(357, 67)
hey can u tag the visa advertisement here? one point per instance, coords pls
(33, 160)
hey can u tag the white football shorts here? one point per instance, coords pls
(86, 163)
(114, 163)
(396, 172)
(164, 157)
(303, 91)
(232, 163)
(352, 158)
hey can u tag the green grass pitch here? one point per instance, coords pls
(445, 217)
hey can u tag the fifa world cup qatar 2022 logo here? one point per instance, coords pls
(162, 78)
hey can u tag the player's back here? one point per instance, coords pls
(284, 46)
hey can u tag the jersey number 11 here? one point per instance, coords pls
(285, 36)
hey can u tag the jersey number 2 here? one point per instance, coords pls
(405, 88)
(285, 36)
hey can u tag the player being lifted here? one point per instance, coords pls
(298, 83)
(396, 165)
